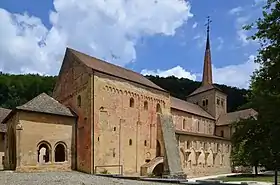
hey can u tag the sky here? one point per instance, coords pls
(152, 37)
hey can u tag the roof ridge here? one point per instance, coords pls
(45, 104)
(188, 109)
(108, 68)
(241, 110)
(105, 61)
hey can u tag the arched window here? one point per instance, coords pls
(44, 152)
(184, 124)
(145, 143)
(130, 142)
(79, 101)
(60, 153)
(145, 105)
(131, 102)
(158, 108)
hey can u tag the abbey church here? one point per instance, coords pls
(103, 118)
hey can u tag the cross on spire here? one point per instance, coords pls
(208, 23)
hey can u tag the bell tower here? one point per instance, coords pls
(208, 96)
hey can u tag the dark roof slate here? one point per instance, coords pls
(231, 117)
(189, 107)
(204, 88)
(3, 114)
(45, 104)
(114, 70)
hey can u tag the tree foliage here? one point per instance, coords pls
(247, 143)
(18, 89)
(263, 134)
(182, 87)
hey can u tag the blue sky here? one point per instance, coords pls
(161, 38)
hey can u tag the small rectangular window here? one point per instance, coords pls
(218, 101)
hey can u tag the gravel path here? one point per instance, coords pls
(63, 178)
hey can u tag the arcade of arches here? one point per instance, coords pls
(39, 142)
(45, 152)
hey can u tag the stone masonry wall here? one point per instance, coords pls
(34, 129)
(225, 130)
(192, 123)
(201, 152)
(202, 156)
(214, 97)
(10, 143)
(125, 134)
(75, 81)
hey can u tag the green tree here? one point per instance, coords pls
(247, 143)
(265, 90)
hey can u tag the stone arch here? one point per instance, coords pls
(145, 105)
(60, 152)
(158, 108)
(192, 158)
(44, 152)
(158, 169)
(182, 157)
(201, 157)
(210, 158)
(218, 159)
(131, 102)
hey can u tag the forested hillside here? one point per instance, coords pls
(18, 89)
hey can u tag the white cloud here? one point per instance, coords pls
(236, 10)
(194, 25)
(220, 43)
(260, 2)
(196, 37)
(240, 21)
(99, 28)
(177, 71)
(233, 75)
(236, 75)
(242, 35)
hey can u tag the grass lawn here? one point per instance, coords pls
(242, 178)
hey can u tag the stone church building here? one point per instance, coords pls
(106, 119)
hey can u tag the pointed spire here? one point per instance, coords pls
(207, 68)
